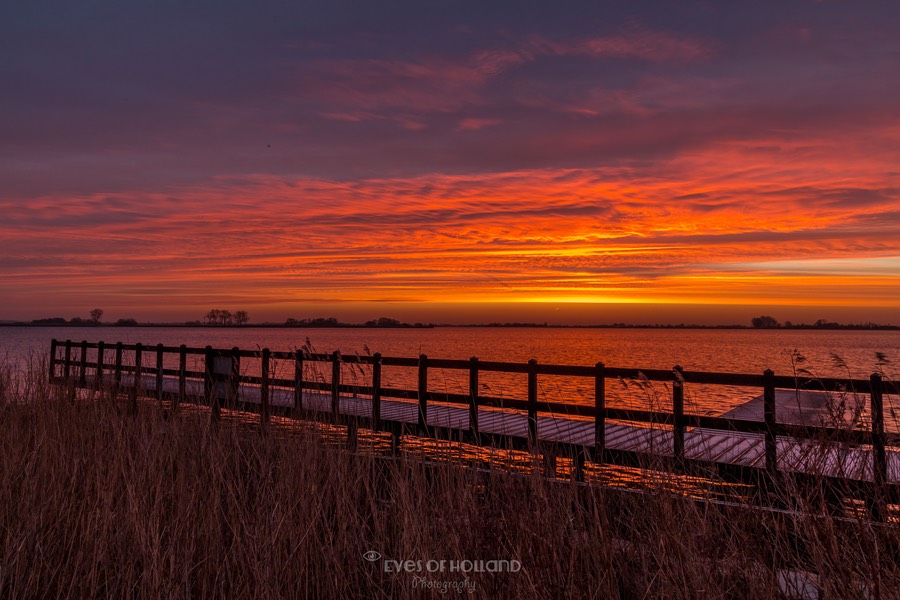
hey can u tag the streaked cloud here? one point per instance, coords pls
(283, 156)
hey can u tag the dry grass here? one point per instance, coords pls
(98, 503)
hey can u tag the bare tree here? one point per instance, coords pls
(241, 317)
(225, 317)
(96, 315)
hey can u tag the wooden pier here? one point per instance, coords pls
(761, 441)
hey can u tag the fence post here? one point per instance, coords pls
(182, 376)
(336, 385)
(82, 377)
(67, 366)
(599, 412)
(133, 393)
(67, 372)
(678, 413)
(159, 374)
(233, 396)
(117, 376)
(53, 360)
(99, 370)
(532, 405)
(138, 370)
(376, 391)
(879, 456)
(423, 394)
(264, 386)
(473, 400)
(209, 387)
(771, 440)
(298, 381)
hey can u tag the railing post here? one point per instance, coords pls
(209, 385)
(678, 414)
(879, 456)
(159, 373)
(138, 367)
(599, 412)
(67, 365)
(532, 405)
(298, 382)
(423, 394)
(376, 391)
(771, 440)
(182, 376)
(473, 400)
(336, 385)
(264, 386)
(135, 389)
(67, 372)
(99, 369)
(53, 360)
(117, 374)
(233, 396)
(82, 376)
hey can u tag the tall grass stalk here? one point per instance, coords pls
(95, 502)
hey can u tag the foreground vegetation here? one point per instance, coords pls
(98, 502)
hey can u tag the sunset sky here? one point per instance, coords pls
(453, 161)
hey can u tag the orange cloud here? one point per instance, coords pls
(710, 227)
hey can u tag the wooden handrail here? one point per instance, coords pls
(75, 366)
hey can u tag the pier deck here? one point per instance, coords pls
(747, 449)
(789, 433)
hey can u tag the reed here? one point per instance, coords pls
(97, 502)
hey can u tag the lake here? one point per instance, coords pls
(739, 351)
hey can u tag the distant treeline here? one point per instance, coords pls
(332, 322)
(240, 318)
(767, 322)
(77, 322)
(222, 318)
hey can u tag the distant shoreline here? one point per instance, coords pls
(799, 327)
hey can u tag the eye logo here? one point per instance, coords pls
(371, 556)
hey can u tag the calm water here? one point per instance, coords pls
(739, 351)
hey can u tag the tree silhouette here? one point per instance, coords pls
(765, 322)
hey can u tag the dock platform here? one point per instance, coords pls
(832, 459)
(791, 429)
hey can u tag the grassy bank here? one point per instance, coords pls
(97, 502)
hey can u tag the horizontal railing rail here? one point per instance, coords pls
(699, 377)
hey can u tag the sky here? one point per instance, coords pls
(451, 161)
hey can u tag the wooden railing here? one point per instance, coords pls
(75, 365)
